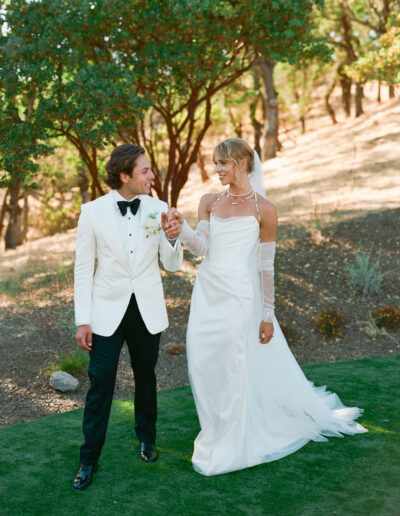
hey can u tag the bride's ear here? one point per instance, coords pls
(243, 165)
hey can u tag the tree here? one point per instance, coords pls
(378, 17)
(347, 44)
(21, 143)
(78, 88)
(382, 62)
(146, 72)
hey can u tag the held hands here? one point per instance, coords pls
(171, 222)
(84, 337)
(266, 332)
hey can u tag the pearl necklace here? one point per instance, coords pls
(245, 197)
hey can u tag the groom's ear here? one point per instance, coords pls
(124, 177)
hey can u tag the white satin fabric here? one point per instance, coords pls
(253, 401)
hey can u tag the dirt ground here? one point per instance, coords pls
(332, 200)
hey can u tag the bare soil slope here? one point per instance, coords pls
(337, 190)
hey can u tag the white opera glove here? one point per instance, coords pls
(266, 268)
(196, 241)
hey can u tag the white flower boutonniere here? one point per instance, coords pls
(151, 226)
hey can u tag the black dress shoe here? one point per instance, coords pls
(148, 452)
(84, 476)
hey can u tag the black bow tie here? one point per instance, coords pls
(133, 205)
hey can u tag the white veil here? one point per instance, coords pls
(256, 179)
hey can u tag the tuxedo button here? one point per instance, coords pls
(130, 234)
(131, 252)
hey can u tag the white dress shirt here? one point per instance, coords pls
(129, 227)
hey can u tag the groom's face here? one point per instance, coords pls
(140, 181)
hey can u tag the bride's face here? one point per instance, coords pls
(225, 171)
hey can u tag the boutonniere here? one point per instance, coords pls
(151, 226)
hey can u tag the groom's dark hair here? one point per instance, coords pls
(123, 159)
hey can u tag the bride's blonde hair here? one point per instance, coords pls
(235, 149)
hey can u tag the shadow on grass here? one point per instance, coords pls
(351, 476)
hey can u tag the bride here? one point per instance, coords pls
(253, 401)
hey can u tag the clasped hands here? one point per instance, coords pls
(171, 222)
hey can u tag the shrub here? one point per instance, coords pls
(329, 323)
(55, 220)
(74, 363)
(387, 317)
(364, 274)
(10, 287)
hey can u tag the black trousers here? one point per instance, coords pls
(143, 349)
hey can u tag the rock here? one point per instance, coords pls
(62, 381)
(175, 349)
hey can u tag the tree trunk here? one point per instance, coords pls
(358, 99)
(202, 166)
(258, 126)
(14, 235)
(89, 158)
(391, 91)
(237, 124)
(378, 98)
(329, 108)
(83, 183)
(25, 215)
(271, 107)
(303, 124)
(345, 83)
(3, 211)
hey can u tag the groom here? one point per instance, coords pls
(122, 299)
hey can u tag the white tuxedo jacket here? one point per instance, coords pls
(102, 297)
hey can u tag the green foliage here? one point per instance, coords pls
(329, 323)
(62, 277)
(61, 201)
(382, 60)
(296, 85)
(59, 79)
(100, 71)
(56, 220)
(364, 274)
(74, 363)
(10, 287)
(387, 317)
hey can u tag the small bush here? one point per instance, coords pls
(387, 317)
(74, 363)
(55, 220)
(62, 277)
(364, 274)
(329, 323)
(10, 287)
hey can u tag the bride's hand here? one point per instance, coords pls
(173, 213)
(266, 332)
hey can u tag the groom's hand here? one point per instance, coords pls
(171, 224)
(84, 337)
(174, 214)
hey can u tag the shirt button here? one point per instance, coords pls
(131, 252)
(129, 218)
(130, 234)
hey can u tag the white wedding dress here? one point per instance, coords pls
(253, 401)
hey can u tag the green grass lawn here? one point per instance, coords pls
(353, 475)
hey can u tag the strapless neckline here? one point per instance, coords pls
(225, 219)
